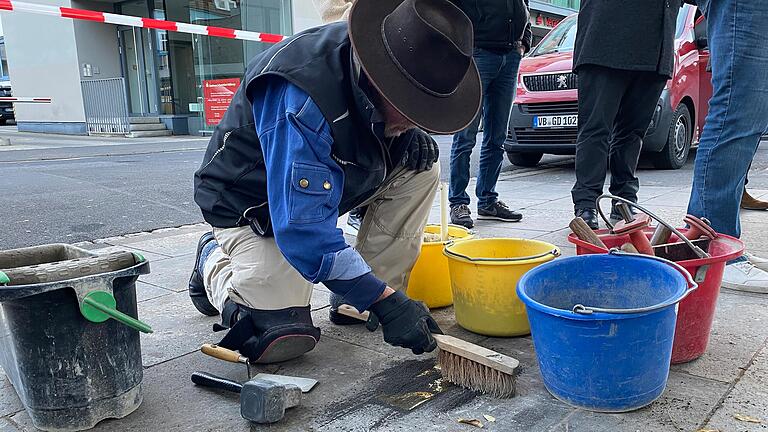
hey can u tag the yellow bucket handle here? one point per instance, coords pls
(553, 252)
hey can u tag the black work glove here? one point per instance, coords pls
(422, 152)
(406, 323)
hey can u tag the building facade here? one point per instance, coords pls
(181, 81)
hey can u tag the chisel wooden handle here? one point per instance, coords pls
(585, 233)
(223, 353)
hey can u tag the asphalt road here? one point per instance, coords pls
(70, 189)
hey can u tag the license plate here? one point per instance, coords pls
(555, 121)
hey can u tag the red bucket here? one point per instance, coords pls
(696, 312)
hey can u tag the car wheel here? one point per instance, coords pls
(675, 153)
(528, 160)
(3, 122)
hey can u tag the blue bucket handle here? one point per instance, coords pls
(692, 286)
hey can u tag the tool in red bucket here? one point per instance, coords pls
(697, 311)
(698, 228)
(633, 226)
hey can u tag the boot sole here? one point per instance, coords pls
(483, 217)
(742, 288)
(287, 348)
(343, 320)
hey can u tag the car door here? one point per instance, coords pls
(705, 71)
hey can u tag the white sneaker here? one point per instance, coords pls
(760, 263)
(745, 276)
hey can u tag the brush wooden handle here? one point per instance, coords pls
(585, 233)
(477, 354)
(461, 348)
(220, 353)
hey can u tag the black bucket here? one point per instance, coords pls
(70, 373)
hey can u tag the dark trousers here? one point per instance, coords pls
(615, 109)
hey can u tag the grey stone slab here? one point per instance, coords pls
(678, 198)
(7, 426)
(145, 291)
(170, 245)
(178, 328)
(483, 230)
(9, 400)
(748, 398)
(320, 299)
(684, 406)
(740, 328)
(557, 238)
(171, 273)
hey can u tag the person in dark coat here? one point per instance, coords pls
(623, 55)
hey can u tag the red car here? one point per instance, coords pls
(544, 117)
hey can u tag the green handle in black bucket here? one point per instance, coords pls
(99, 306)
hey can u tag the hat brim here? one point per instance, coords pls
(435, 114)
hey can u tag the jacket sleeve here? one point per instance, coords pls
(333, 10)
(527, 39)
(304, 189)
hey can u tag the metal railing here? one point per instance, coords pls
(106, 106)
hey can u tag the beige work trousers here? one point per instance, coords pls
(251, 270)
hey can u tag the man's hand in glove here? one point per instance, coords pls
(422, 152)
(406, 323)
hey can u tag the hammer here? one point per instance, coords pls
(261, 401)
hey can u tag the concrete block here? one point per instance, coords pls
(145, 292)
(170, 245)
(7, 426)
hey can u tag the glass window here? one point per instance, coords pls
(3, 61)
(194, 59)
(571, 4)
(560, 39)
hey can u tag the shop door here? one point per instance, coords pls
(139, 70)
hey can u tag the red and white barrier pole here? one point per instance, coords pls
(26, 100)
(133, 21)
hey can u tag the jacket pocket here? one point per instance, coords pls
(310, 194)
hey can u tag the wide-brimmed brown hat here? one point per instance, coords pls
(418, 55)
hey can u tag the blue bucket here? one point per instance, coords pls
(603, 327)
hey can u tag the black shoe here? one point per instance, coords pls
(272, 336)
(589, 215)
(461, 215)
(196, 285)
(499, 211)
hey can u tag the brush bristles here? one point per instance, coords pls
(475, 376)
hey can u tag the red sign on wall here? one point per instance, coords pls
(217, 95)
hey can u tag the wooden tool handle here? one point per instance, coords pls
(629, 248)
(223, 353)
(477, 354)
(585, 233)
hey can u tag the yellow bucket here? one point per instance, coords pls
(484, 275)
(430, 281)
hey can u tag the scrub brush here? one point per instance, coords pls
(466, 364)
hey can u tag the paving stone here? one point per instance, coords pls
(150, 256)
(505, 230)
(748, 398)
(9, 400)
(320, 299)
(171, 273)
(169, 245)
(178, 328)
(740, 328)
(145, 291)
(7, 426)
(684, 404)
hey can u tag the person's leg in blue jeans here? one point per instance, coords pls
(497, 104)
(494, 70)
(738, 115)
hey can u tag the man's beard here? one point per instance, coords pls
(393, 131)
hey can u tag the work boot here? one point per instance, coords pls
(498, 211)
(196, 285)
(589, 215)
(745, 276)
(748, 202)
(272, 336)
(462, 215)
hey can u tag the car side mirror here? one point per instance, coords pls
(702, 43)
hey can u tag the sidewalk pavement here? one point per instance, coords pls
(366, 384)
